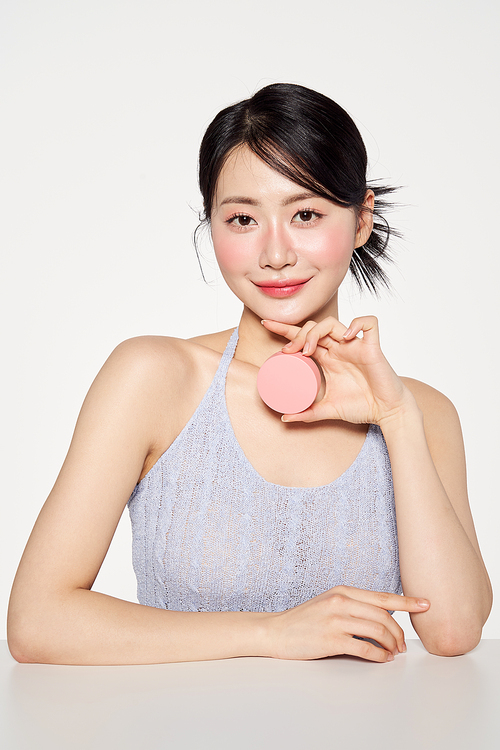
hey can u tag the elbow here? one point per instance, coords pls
(23, 649)
(18, 653)
(42, 631)
(30, 650)
(25, 640)
(19, 647)
(450, 641)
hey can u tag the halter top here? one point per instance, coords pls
(210, 534)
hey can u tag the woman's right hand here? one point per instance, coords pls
(327, 625)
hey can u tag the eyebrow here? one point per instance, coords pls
(251, 202)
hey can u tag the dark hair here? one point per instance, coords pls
(311, 140)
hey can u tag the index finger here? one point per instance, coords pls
(389, 601)
(282, 329)
(398, 603)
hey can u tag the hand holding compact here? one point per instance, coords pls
(360, 385)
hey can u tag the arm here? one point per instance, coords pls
(439, 554)
(54, 616)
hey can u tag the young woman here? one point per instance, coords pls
(255, 533)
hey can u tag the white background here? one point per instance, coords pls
(103, 106)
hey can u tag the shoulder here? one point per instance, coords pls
(147, 357)
(151, 351)
(164, 379)
(145, 393)
(154, 351)
(168, 359)
(167, 376)
(150, 376)
(431, 402)
(441, 420)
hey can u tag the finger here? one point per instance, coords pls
(383, 599)
(298, 342)
(397, 603)
(282, 329)
(382, 623)
(368, 325)
(324, 332)
(374, 630)
(315, 413)
(342, 605)
(366, 650)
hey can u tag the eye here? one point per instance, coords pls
(306, 217)
(240, 220)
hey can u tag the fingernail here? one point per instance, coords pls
(287, 346)
(306, 349)
(347, 333)
(422, 603)
(403, 648)
(390, 657)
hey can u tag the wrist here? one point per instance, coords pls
(406, 416)
(256, 635)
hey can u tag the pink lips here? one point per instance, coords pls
(281, 288)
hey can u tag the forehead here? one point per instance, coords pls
(244, 174)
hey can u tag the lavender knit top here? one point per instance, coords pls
(210, 534)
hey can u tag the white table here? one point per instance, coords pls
(417, 701)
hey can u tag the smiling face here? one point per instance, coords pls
(281, 249)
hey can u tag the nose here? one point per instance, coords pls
(277, 251)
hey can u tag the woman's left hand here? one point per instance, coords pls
(360, 385)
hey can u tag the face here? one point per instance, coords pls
(281, 249)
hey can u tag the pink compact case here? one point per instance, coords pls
(288, 383)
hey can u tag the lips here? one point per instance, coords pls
(282, 287)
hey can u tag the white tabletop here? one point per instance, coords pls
(417, 701)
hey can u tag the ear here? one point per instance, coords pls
(365, 219)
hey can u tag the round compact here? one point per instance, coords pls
(288, 383)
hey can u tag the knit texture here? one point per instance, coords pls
(210, 534)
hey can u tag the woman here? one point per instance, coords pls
(256, 534)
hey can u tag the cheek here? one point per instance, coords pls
(231, 256)
(334, 248)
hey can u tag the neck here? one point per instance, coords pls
(256, 343)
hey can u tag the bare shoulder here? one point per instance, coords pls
(441, 420)
(171, 361)
(166, 374)
(164, 358)
(140, 382)
(161, 380)
(150, 351)
(430, 400)
(143, 353)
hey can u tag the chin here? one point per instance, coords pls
(294, 314)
